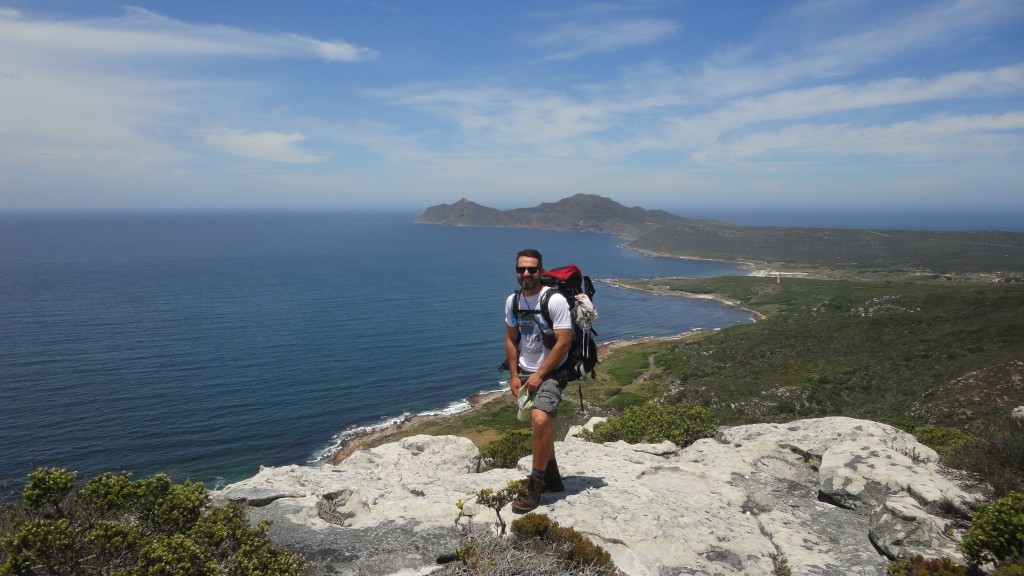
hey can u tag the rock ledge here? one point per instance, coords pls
(834, 496)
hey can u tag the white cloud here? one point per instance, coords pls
(819, 101)
(935, 138)
(821, 42)
(574, 40)
(273, 146)
(141, 34)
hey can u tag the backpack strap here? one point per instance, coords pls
(544, 298)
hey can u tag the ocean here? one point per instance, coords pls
(206, 345)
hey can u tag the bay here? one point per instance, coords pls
(206, 345)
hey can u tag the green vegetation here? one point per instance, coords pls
(652, 423)
(995, 454)
(507, 452)
(997, 532)
(907, 252)
(924, 353)
(573, 550)
(113, 525)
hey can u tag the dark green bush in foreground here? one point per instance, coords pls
(119, 526)
(573, 549)
(680, 424)
(997, 532)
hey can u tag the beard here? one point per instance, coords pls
(529, 282)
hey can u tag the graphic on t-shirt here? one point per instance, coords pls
(531, 340)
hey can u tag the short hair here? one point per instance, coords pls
(531, 253)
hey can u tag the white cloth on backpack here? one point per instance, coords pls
(585, 313)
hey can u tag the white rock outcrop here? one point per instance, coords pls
(833, 496)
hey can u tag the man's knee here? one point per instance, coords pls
(540, 419)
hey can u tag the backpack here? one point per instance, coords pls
(570, 282)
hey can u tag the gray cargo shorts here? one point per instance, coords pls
(547, 397)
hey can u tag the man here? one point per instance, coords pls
(534, 361)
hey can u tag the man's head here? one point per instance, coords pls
(529, 266)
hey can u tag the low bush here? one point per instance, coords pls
(997, 532)
(533, 525)
(506, 452)
(574, 550)
(680, 424)
(942, 439)
(114, 525)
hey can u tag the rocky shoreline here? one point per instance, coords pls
(380, 435)
(664, 291)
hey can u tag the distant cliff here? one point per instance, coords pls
(581, 213)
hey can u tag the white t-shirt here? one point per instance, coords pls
(532, 352)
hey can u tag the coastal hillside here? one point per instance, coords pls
(940, 252)
(579, 213)
(975, 255)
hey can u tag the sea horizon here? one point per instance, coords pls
(901, 219)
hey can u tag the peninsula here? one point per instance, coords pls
(824, 252)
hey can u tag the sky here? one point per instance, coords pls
(680, 105)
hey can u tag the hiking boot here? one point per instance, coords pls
(552, 479)
(532, 498)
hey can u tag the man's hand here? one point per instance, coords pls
(533, 382)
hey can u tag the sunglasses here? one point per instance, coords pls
(527, 269)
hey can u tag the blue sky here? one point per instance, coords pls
(682, 105)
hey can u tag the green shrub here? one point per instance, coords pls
(577, 551)
(681, 424)
(939, 438)
(506, 452)
(114, 525)
(574, 550)
(533, 525)
(997, 531)
(918, 566)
